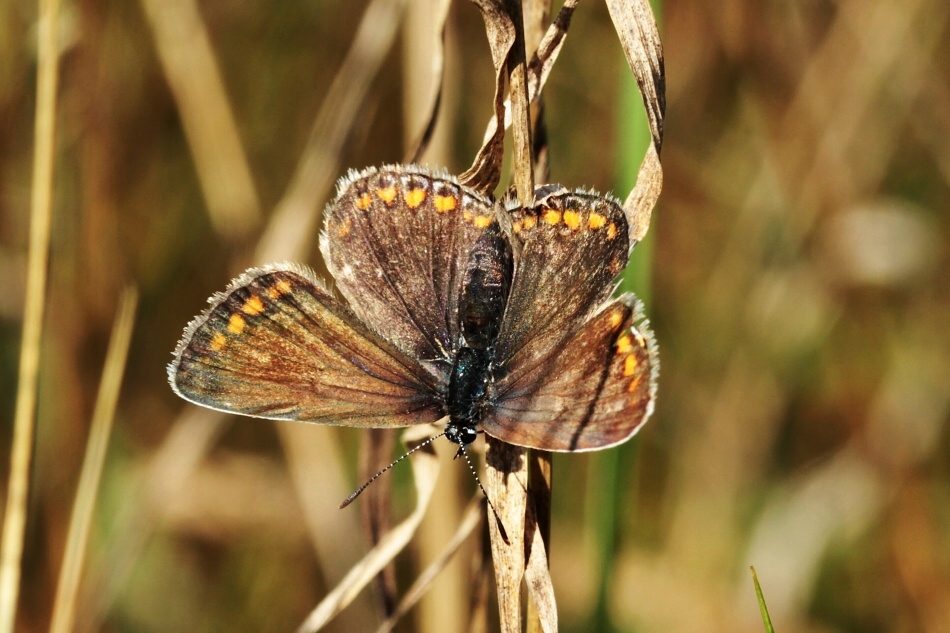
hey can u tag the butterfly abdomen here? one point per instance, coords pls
(468, 385)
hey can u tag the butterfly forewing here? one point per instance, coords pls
(278, 345)
(571, 248)
(594, 391)
(397, 241)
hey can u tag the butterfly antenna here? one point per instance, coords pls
(471, 467)
(359, 490)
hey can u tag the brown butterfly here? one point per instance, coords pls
(496, 316)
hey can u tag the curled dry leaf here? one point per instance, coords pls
(485, 172)
(537, 575)
(640, 39)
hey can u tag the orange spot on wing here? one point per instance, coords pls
(363, 202)
(596, 220)
(444, 204)
(634, 384)
(415, 197)
(624, 345)
(386, 194)
(236, 324)
(529, 222)
(483, 221)
(467, 216)
(218, 341)
(611, 231)
(253, 306)
(282, 287)
(552, 216)
(616, 317)
(344, 229)
(630, 365)
(572, 219)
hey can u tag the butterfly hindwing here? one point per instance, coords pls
(396, 241)
(278, 345)
(592, 392)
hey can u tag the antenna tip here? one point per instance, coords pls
(502, 532)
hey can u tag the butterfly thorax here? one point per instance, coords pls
(482, 304)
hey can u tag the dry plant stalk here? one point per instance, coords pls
(425, 466)
(507, 479)
(24, 421)
(67, 589)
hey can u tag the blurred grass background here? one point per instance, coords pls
(799, 288)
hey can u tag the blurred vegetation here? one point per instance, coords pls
(800, 294)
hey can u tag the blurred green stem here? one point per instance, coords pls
(609, 468)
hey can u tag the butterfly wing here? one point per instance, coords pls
(396, 241)
(569, 249)
(276, 344)
(594, 391)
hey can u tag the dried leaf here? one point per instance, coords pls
(425, 468)
(376, 449)
(485, 173)
(507, 485)
(639, 204)
(542, 61)
(470, 520)
(542, 610)
(640, 39)
(537, 575)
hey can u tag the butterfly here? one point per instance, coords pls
(494, 316)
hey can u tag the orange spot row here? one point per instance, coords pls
(572, 219)
(415, 197)
(345, 227)
(444, 204)
(596, 220)
(363, 202)
(634, 384)
(630, 365)
(236, 324)
(253, 306)
(526, 224)
(386, 194)
(624, 344)
(282, 287)
(218, 341)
